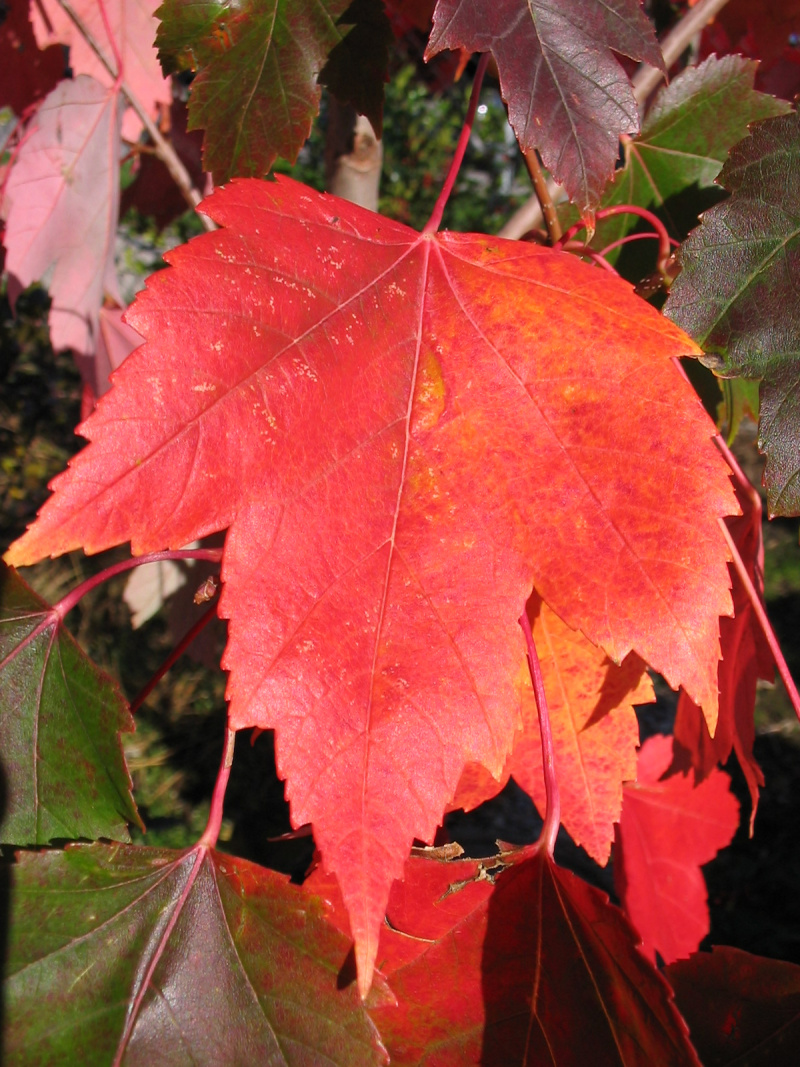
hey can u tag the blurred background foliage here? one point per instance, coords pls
(174, 754)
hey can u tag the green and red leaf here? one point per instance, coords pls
(64, 775)
(686, 136)
(259, 69)
(133, 955)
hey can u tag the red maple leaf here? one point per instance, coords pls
(405, 432)
(566, 92)
(669, 827)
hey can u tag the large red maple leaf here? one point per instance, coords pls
(403, 432)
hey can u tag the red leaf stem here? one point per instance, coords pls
(174, 656)
(634, 237)
(458, 156)
(596, 257)
(213, 555)
(664, 241)
(552, 815)
(211, 832)
(739, 476)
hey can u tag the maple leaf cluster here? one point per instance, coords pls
(412, 441)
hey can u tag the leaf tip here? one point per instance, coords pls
(365, 968)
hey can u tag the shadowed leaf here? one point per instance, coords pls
(537, 969)
(741, 1009)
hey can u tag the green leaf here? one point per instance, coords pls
(738, 296)
(135, 955)
(190, 34)
(60, 717)
(259, 68)
(685, 139)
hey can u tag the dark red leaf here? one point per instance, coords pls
(540, 969)
(154, 192)
(742, 1010)
(567, 94)
(26, 73)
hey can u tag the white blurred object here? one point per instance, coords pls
(149, 586)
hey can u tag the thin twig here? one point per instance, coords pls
(664, 243)
(542, 190)
(645, 80)
(166, 153)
